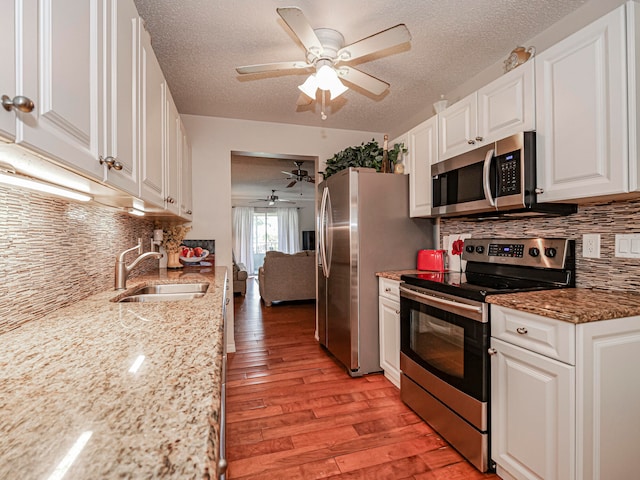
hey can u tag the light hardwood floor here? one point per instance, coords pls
(294, 413)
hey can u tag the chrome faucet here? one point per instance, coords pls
(122, 269)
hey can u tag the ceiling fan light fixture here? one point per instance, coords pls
(310, 86)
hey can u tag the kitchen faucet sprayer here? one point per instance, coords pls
(123, 270)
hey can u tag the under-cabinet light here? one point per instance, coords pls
(31, 184)
(135, 211)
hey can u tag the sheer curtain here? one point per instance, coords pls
(288, 230)
(243, 236)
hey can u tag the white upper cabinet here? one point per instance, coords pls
(458, 127)
(186, 190)
(152, 123)
(581, 104)
(8, 70)
(119, 127)
(174, 154)
(61, 70)
(423, 152)
(502, 108)
(507, 105)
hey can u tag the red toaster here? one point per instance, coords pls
(432, 260)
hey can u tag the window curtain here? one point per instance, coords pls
(288, 230)
(243, 236)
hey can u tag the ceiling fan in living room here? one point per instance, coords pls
(298, 175)
(272, 199)
(327, 57)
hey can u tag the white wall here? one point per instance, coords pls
(212, 141)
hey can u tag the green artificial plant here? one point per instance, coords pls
(367, 155)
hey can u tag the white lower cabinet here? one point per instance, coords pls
(564, 401)
(389, 324)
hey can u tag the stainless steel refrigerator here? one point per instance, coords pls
(363, 228)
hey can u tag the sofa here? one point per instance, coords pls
(285, 276)
(239, 278)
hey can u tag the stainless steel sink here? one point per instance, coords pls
(166, 292)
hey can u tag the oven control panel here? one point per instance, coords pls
(526, 252)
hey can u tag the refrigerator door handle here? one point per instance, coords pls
(323, 232)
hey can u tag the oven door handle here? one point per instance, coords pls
(441, 301)
(486, 185)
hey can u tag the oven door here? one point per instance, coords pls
(448, 337)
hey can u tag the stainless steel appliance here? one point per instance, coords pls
(445, 330)
(497, 178)
(364, 227)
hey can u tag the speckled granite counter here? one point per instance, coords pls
(69, 373)
(575, 305)
(395, 274)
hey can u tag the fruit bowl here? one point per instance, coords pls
(195, 259)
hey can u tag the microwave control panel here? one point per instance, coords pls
(509, 172)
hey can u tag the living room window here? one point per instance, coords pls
(265, 235)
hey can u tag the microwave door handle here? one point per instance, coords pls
(486, 185)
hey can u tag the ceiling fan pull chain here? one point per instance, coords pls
(323, 115)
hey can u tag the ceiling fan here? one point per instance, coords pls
(327, 55)
(272, 199)
(298, 175)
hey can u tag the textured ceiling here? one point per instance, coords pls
(200, 42)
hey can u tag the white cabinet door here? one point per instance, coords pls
(8, 23)
(581, 105)
(423, 151)
(507, 105)
(152, 98)
(608, 391)
(119, 129)
(186, 190)
(174, 152)
(61, 71)
(389, 317)
(532, 414)
(458, 126)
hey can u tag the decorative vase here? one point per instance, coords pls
(173, 260)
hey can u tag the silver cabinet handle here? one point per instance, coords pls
(539, 190)
(471, 142)
(478, 139)
(171, 200)
(24, 104)
(492, 351)
(111, 162)
(189, 212)
(387, 289)
(521, 330)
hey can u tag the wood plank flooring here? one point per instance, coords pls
(294, 413)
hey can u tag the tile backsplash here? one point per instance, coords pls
(54, 252)
(605, 218)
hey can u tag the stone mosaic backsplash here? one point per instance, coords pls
(54, 252)
(606, 218)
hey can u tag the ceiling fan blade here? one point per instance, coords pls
(299, 25)
(272, 67)
(292, 184)
(363, 80)
(385, 39)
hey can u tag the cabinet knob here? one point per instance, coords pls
(397, 312)
(387, 289)
(189, 212)
(521, 330)
(111, 162)
(171, 200)
(24, 104)
(492, 351)
(539, 190)
(471, 142)
(478, 139)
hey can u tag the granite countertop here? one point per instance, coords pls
(68, 374)
(575, 305)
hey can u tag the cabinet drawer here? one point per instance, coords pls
(389, 288)
(549, 337)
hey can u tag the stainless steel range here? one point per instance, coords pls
(445, 330)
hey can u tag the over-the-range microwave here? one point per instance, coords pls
(497, 179)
